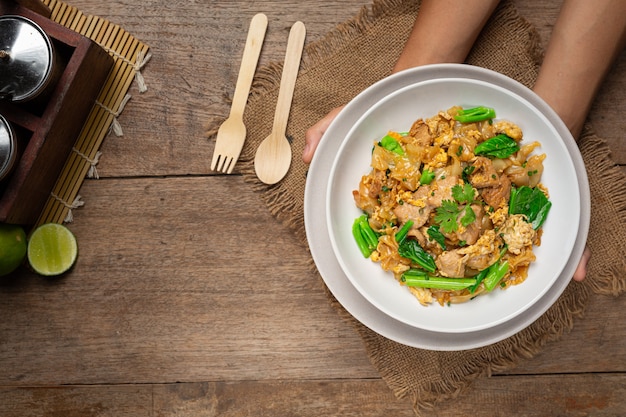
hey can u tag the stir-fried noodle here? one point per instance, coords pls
(453, 207)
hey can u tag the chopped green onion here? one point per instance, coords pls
(427, 176)
(467, 171)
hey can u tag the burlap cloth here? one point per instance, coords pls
(360, 52)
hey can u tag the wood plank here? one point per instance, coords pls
(572, 395)
(595, 344)
(536, 396)
(283, 398)
(78, 401)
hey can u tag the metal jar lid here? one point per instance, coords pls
(8, 148)
(26, 58)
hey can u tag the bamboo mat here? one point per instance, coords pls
(129, 55)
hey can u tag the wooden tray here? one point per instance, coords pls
(48, 131)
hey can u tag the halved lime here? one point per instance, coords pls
(52, 249)
(12, 247)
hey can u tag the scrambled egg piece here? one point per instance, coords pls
(499, 217)
(510, 129)
(518, 233)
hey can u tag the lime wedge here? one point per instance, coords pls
(12, 247)
(52, 249)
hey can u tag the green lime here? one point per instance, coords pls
(12, 247)
(52, 249)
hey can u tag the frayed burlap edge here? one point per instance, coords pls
(605, 279)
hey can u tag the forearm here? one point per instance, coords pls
(444, 31)
(586, 39)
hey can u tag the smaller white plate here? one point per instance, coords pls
(398, 111)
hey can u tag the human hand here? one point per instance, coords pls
(314, 134)
(581, 269)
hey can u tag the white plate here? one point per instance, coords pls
(398, 111)
(316, 215)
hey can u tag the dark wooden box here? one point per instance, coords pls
(47, 131)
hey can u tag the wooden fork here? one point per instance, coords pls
(232, 133)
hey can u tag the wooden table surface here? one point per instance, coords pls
(182, 302)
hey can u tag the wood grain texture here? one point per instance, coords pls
(599, 395)
(190, 299)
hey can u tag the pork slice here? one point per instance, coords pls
(406, 212)
(471, 233)
(484, 174)
(451, 264)
(420, 132)
(442, 190)
(498, 195)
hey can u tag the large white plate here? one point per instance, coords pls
(315, 212)
(398, 111)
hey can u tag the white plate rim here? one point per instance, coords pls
(327, 264)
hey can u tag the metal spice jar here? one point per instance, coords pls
(29, 66)
(8, 148)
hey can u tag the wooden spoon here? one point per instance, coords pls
(273, 157)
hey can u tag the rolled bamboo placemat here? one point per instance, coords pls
(129, 55)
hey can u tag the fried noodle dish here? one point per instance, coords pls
(454, 207)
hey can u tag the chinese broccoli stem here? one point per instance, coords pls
(496, 272)
(368, 233)
(391, 144)
(475, 114)
(479, 278)
(417, 278)
(404, 230)
(365, 237)
(360, 240)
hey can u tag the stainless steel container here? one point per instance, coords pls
(29, 66)
(8, 148)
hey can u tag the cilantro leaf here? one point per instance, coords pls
(463, 194)
(446, 216)
(468, 217)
